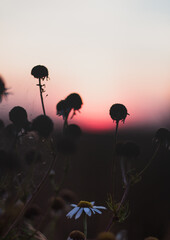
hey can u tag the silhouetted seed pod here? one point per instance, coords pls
(62, 109)
(32, 212)
(74, 101)
(39, 71)
(151, 238)
(118, 112)
(67, 195)
(3, 89)
(76, 235)
(66, 146)
(73, 131)
(106, 236)
(162, 137)
(57, 204)
(43, 125)
(18, 116)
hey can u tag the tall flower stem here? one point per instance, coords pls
(41, 91)
(34, 195)
(85, 225)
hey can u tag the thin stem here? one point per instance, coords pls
(41, 91)
(85, 224)
(150, 161)
(34, 195)
(122, 166)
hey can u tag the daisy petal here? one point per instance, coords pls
(96, 210)
(87, 211)
(92, 203)
(72, 212)
(73, 205)
(79, 213)
(93, 211)
(99, 207)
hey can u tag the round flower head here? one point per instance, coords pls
(118, 112)
(43, 125)
(32, 212)
(73, 131)
(86, 207)
(106, 236)
(57, 203)
(39, 71)
(3, 89)
(74, 101)
(76, 235)
(151, 238)
(18, 116)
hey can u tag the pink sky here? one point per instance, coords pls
(107, 51)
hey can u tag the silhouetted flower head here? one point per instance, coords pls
(32, 212)
(43, 125)
(151, 238)
(66, 146)
(73, 131)
(57, 203)
(63, 109)
(118, 112)
(86, 207)
(74, 101)
(128, 149)
(106, 236)
(162, 137)
(40, 71)
(18, 116)
(3, 89)
(76, 235)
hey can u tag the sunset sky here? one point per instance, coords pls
(108, 51)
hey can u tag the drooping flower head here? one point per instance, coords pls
(106, 236)
(57, 203)
(43, 125)
(84, 206)
(40, 71)
(118, 112)
(76, 235)
(3, 89)
(71, 102)
(162, 137)
(62, 109)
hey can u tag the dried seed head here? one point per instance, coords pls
(74, 101)
(76, 235)
(118, 112)
(57, 203)
(43, 125)
(18, 116)
(40, 71)
(106, 236)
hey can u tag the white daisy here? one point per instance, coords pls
(87, 207)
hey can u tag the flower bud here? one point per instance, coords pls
(118, 112)
(39, 71)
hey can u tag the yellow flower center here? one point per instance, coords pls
(85, 204)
